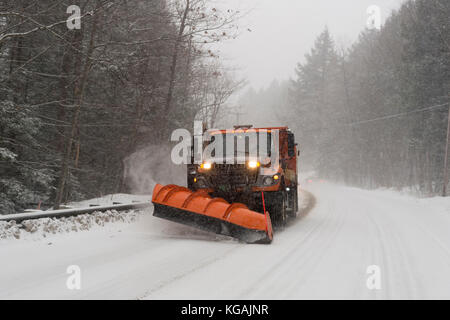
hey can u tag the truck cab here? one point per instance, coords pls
(247, 165)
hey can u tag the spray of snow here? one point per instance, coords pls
(151, 165)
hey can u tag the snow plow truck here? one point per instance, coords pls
(239, 192)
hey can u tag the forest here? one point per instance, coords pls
(376, 114)
(79, 96)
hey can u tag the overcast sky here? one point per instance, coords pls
(282, 31)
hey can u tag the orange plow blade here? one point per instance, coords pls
(199, 210)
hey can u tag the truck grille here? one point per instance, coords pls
(235, 174)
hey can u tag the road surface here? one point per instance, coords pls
(324, 254)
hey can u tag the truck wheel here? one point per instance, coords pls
(278, 208)
(293, 199)
(276, 203)
(283, 211)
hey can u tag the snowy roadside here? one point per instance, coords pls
(46, 227)
(436, 204)
(407, 196)
(110, 199)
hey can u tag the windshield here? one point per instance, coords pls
(230, 145)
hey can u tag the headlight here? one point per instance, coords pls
(206, 166)
(253, 164)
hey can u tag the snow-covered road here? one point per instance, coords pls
(325, 253)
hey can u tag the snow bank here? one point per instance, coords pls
(41, 228)
(110, 199)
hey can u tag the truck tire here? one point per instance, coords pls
(283, 211)
(293, 199)
(278, 211)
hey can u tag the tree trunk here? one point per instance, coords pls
(78, 96)
(173, 65)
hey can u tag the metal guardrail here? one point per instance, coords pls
(19, 217)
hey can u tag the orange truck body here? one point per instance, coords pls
(235, 200)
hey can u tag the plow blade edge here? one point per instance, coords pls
(199, 210)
